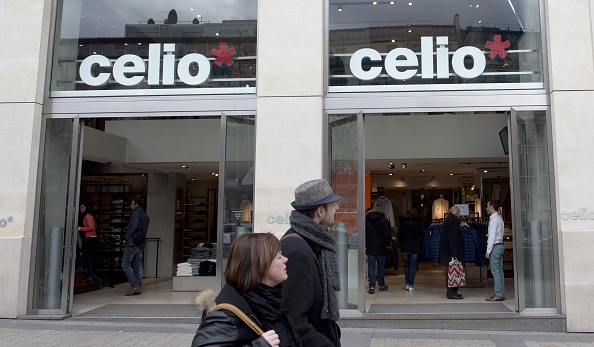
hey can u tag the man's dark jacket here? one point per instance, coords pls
(377, 234)
(302, 294)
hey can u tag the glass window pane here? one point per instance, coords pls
(409, 44)
(343, 166)
(113, 47)
(51, 235)
(239, 179)
(536, 213)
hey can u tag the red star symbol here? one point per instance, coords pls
(497, 47)
(223, 54)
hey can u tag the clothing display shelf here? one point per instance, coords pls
(196, 223)
(111, 205)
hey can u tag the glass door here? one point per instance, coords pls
(345, 165)
(55, 237)
(535, 237)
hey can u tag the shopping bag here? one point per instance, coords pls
(456, 274)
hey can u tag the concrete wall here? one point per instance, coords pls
(21, 99)
(571, 71)
(290, 112)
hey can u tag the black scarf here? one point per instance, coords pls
(324, 244)
(265, 302)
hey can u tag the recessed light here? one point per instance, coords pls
(375, 2)
(422, 170)
(451, 174)
(410, 3)
(485, 171)
(390, 174)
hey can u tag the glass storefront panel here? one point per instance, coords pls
(137, 47)
(434, 45)
(54, 230)
(238, 189)
(343, 155)
(535, 210)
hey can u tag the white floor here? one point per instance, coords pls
(429, 289)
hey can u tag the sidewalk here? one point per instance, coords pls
(72, 332)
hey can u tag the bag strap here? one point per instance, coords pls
(307, 243)
(239, 313)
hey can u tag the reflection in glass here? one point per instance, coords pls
(51, 236)
(239, 178)
(224, 33)
(536, 214)
(505, 32)
(343, 172)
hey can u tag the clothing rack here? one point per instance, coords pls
(481, 227)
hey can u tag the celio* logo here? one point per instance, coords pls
(392, 63)
(130, 69)
(582, 214)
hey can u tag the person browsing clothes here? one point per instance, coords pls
(451, 245)
(377, 240)
(139, 221)
(495, 250)
(310, 292)
(255, 270)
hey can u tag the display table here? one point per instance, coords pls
(194, 283)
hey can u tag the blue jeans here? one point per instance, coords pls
(410, 267)
(381, 269)
(133, 253)
(497, 269)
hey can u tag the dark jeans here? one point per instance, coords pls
(88, 254)
(133, 253)
(410, 268)
(380, 260)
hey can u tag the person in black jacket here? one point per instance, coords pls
(409, 236)
(255, 270)
(451, 246)
(377, 240)
(310, 292)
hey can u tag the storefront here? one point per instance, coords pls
(238, 92)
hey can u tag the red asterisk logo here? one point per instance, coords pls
(223, 54)
(497, 47)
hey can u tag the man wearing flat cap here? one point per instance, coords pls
(309, 294)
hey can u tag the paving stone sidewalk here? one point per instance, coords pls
(71, 332)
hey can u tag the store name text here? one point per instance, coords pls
(130, 69)
(581, 214)
(407, 66)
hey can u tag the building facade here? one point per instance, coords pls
(274, 95)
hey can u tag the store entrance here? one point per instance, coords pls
(420, 165)
(173, 167)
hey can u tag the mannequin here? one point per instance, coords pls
(440, 207)
(247, 207)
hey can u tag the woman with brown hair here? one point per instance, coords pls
(255, 270)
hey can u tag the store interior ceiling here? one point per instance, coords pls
(406, 174)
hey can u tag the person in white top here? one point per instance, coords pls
(495, 250)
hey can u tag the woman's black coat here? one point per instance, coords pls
(451, 243)
(409, 234)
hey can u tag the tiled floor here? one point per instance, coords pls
(429, 289)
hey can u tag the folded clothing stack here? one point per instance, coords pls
(186, 269)
(207, 268)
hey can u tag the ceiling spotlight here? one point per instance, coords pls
(391, 2)
(193, 179)
(451, 174)
(422, 170)
(390, 174)
(410, 3)
(485, 171)
(477, 6)
(375, 2)
(402, 178)
(404, 165)
(393, 40)
(391, 165)
(339, 8)
(182, 165)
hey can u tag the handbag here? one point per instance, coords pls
(456, 274)
(239, 313)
